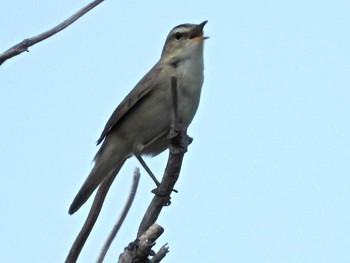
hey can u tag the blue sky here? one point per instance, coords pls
(267, 176)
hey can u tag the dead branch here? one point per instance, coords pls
(91, 218)
(28, 42)
(139, 250)
(178, 147)
(160, 254)
(112, 235)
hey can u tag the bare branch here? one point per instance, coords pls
(175, 103)
(160, 254)
(152, 233)
(112, 235)
(178, 146)
(91, 218)
(139, 250)
(162, 197)
(28, 42)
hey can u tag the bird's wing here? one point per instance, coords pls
(139, 92)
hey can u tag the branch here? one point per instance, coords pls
(160, 254)
(178, 146)
(91, 218)
(28, 42)
(139, 250)
(120, 221)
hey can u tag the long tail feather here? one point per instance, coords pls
(97, 174)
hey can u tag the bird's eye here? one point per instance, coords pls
(178, 35)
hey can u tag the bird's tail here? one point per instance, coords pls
(104, 167)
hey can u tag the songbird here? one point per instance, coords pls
(142, 121)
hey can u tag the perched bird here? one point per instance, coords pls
(142, 121)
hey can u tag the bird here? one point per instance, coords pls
(139, 126)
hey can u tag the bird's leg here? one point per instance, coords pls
(140, 149)
(148, 170)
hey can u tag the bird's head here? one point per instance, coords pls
(183, 41)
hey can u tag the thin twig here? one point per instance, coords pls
(175, 102)
(92, 217)
(112, 235)
(160, 254)
(28, 42)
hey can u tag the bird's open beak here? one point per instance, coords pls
(197, 32)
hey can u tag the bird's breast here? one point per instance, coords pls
(189, 75)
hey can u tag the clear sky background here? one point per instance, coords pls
(267, 178)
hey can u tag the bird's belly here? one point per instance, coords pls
(144, 124)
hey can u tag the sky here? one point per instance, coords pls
(267, 177)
